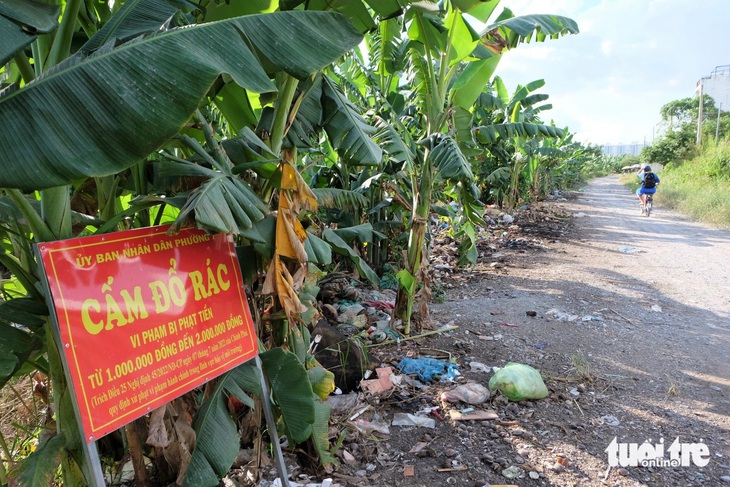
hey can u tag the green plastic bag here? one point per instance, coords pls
(518, 382)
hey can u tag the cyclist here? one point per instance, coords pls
(649, 182)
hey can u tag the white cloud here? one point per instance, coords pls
(609, 82)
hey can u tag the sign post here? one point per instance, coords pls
(144, 317)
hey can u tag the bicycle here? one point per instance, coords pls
(646, 207)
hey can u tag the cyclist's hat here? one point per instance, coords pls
(647, 168)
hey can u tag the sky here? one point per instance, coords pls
(608, 83)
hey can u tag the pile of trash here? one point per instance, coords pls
(451, 398)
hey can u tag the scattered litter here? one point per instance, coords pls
(398, 380)
(591, 318)
(405, 419)
(561, 315)
(478, 415)
(427, 369)
(610, 420)
(409, 471)
(325, 483)
(367, 427)
(575, 392)
(629, 250)
(379, 305)
(715, 388)
(512, 472)
(479, 367)
(418, 447)
(342, 402)
(435, 412)
(518, 381)
(540, 345)
(580, 215)
(471, 393)
(510, 325)
(381, 384)
(360, 411)
(507, 218)
(656, 308)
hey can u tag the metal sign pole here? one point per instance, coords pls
(91, 452)
(271, 424)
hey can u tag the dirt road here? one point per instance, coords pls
(626, 317)
(642, 306)
(664, 260)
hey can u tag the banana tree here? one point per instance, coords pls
(106, 109)
(449, 65)
(509, 127)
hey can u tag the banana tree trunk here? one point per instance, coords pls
(423, 189)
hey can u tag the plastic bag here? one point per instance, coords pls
(518, 382)
(405, 419)
(429, 368)
(471, 393)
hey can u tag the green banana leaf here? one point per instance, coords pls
(248, 151)
(524, 28)
(136, 17)
(39, 468)
(448, 159)
(107, 111)
(341, 247)
(491, 133)
(292, 393)
(363, 233)
(217, 434)
(17, 345)
(343, 199)
(354, 9)
(223, 203)
(20, 24)
(318, 251)
(348, 132)
(320, 431)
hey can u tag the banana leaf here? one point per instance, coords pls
(104, 112)
(218, 440)
(21, 23)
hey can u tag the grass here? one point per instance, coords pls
(581, 369)
(673, 389)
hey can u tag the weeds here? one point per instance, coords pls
(581, 368)
(673, 389)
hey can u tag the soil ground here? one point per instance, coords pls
(626, 317)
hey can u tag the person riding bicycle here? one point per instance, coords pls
(649, 182)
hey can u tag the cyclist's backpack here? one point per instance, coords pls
(649, 180)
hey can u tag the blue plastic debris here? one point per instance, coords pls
(427, 368)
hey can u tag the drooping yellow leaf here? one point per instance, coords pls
(280, 282)
(302, 196)
(290, 236)
(295, 195)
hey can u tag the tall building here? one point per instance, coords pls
(623, 149)
(717, 85)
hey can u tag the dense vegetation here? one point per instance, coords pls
(349, 130)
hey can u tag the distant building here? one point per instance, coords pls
(717, 85)
(623, 149)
